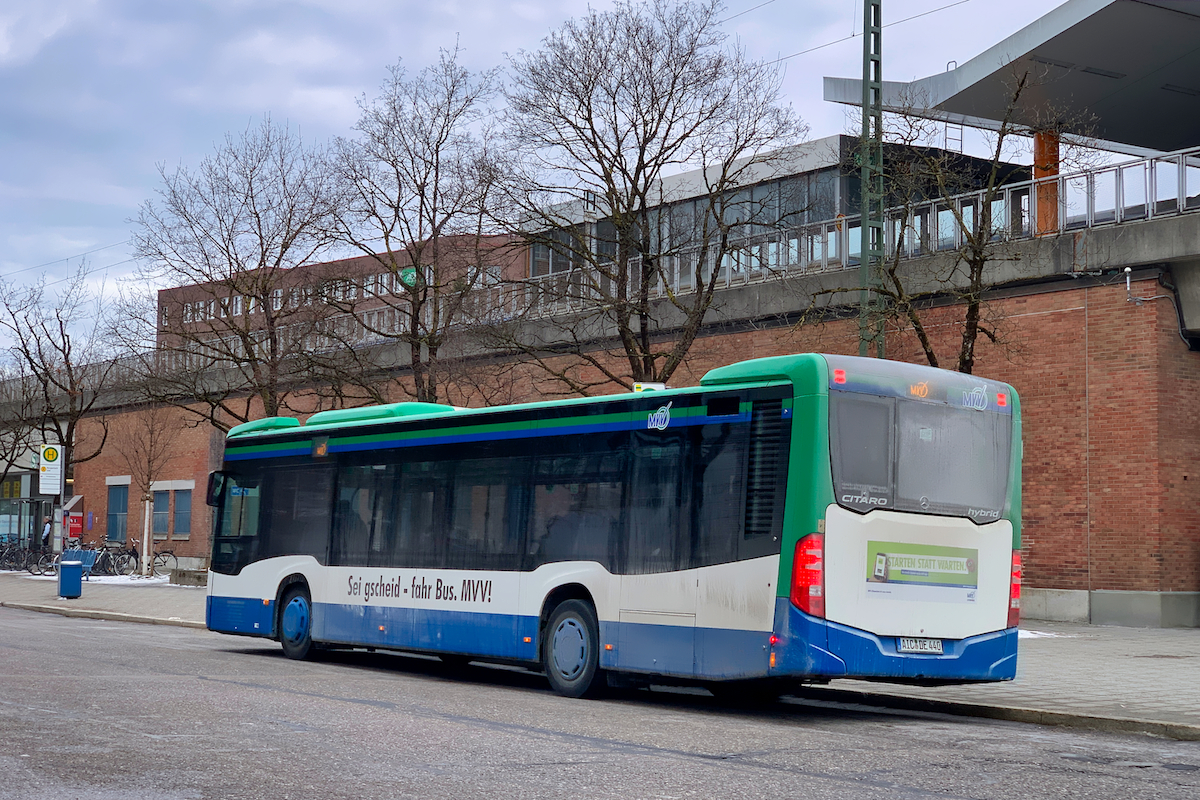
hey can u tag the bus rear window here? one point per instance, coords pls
(908, 455)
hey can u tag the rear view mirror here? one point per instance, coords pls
(216, 488)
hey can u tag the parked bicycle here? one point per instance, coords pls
(13, 556)
(37, 559)
(114, 560)
(164, 562)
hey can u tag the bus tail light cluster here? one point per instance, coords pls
(808, 575)
(1014, 591)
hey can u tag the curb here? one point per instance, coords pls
(115, 616)
(1169, 730)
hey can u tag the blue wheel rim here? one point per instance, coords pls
(296, 619)
(570, 649)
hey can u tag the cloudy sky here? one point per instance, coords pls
(95, 94)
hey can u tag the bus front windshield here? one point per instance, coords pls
(923, 457)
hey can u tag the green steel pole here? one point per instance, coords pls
(870, 322)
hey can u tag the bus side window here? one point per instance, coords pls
(354, 515)
(423, 516)
(577, 502)
(299, 512)
(658, 512)
(718, 492)
(485, 529)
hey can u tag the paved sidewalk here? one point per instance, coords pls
(1123, 679)
(131, 599)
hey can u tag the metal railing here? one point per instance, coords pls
(1146, 189)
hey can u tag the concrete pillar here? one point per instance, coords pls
(1045, 165)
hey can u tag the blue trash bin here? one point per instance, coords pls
(70, 579)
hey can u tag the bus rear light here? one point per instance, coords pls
(1014, 591)
(839, 376)
(808, 575)
(774, 640)
(1001, 399)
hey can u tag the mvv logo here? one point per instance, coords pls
(975, 399)
(659, 420)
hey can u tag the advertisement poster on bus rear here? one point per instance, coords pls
(932, 573)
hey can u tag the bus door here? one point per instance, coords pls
(658, 592)
(741, 480)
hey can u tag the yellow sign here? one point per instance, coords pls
(50, 454)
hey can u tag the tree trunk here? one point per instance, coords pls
(147, 557)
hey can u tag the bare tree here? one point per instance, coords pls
(234, 341)
(952, 208)
(145, 441)
(417, 182)
(18, 418)
(65, 363)
(604, 114)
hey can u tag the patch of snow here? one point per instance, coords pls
(1042, 635)
(121, 580)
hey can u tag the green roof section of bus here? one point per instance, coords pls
(378, 413)
(806, 372)
(263, 425)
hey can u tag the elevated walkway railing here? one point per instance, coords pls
(1146, 189)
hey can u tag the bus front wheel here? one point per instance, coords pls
(295, 622)
(571, 650)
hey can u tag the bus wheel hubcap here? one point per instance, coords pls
(295, 619)
(570, 649)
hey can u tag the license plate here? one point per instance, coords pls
(906, 645)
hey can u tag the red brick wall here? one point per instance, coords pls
(190, 460)
(1179, 449)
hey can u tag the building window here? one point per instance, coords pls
(183, 514)
(118, 512)
(162, 516)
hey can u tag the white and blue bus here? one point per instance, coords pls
(790, 519)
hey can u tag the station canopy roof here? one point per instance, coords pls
(1130, 69)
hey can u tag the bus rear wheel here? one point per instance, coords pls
(295, 622)
(571, 650)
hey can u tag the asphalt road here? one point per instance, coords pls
(104, 710)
